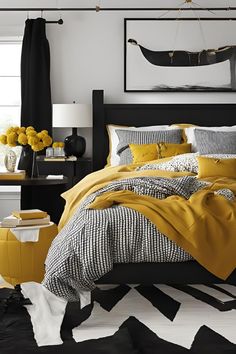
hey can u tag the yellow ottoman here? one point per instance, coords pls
(21, 262)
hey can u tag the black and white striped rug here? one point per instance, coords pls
(136, 319)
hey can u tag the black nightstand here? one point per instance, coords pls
(73, 170)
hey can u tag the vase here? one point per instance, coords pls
(26, 159)
(28, 162)
(10, 161)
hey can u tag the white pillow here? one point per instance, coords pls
(191, 136)
(114, 140)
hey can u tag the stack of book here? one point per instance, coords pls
(20, 174)
(32, 217)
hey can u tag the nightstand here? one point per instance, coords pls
(73, 170)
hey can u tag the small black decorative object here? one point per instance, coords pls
(74, 144)
(26, 160)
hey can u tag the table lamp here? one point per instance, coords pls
(73, 116)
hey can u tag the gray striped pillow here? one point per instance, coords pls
(127, 137)
(215, 142)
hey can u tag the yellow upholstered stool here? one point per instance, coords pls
(21, 262)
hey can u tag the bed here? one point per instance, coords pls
(145, 115)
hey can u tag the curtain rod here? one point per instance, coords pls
(98, 8)
(59, 22)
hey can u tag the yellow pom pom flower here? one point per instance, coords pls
(11, 139)
(31, 132)
(35, 147)
(38, 147)
(45, 132)
(23, 136)
(22, 139)
(3, 139)
(10, 130)
(40, 135)
(33, 140)
(41, 145)
(47, 140)
(21, 130)
(15, 129)
(55, 144)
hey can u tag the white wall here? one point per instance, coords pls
(87, 51)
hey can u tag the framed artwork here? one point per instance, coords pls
(179, 55)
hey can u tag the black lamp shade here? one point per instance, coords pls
(74, 144)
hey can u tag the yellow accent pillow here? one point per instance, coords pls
(183, 126)
(167, 150)
(143, 152)
(210, 167)
(149, 152)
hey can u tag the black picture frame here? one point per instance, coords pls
(128, 88)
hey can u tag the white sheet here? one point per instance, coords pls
(46, 312)
(28, 233)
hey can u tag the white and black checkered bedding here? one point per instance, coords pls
(93, 240)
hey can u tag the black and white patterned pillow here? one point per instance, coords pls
(127, 137)
(182, 163)
(215, 142)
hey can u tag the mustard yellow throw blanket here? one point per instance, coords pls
(204, 225)
(99, 179)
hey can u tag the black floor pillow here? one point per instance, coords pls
(207, 341)
(147, 342)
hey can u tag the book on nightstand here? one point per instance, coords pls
(12, 221)
(55, 159)
(28, 217)
(13, 175)
(30, 214)
(60, 158)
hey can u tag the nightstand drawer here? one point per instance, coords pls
(62, 168)
(74, 170)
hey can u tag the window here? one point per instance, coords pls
(10, 90)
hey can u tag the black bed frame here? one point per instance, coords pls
(154, 114)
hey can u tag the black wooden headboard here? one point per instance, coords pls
(151, 114)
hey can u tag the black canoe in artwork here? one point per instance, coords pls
(186, 58)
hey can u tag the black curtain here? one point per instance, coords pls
(36, 108)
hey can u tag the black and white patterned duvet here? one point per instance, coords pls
(93, 240)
